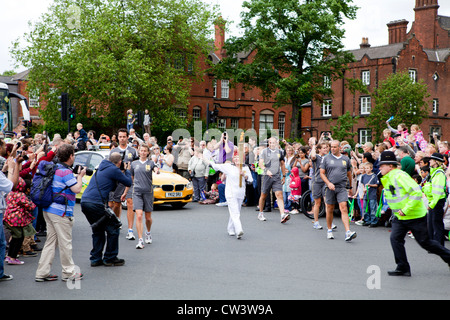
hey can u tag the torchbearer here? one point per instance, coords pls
(234, 192)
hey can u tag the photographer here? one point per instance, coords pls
(93, 206)
(59, 219)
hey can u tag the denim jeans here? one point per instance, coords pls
(287, 202)
(107, 233)
(2, 246)
(199, 184)
(370, 215)
(221, 188)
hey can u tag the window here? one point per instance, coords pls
(196, 113)
(225, 89)
(234, 123)
(190, 66)
(326, 82)
(281, 122)
(365, 105)
(178, 62)
(266, 120)
(365, 135)
(326, 108)
(214, 88)
(365, 77)
(222, 124)
(253, 119)
(413, 75)
(95, 161)
(181, 113)
(435, 106)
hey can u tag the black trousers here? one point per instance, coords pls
(419, 229)
(435, 221)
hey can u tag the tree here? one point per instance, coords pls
(115, 55)
(297, 46)
(343, 128)
(401, 97)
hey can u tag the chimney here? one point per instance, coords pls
(364, 43)
(219, 27)
(397, 31)
(426, 13)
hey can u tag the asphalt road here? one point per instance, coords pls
(193, 258)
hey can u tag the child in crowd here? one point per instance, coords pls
(370, 204)
(212, 196)
(296, 190)
(18, 219)
(418, 137)
(387, 137)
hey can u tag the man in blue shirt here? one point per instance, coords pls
(102, 183)
(59, 219)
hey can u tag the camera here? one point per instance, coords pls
(77, 169)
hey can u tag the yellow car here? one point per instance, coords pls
(171, 188)
(168, 187)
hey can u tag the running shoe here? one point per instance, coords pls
(50, 277)
(6, 277)
(240, 234)
(330, 234)
(261, 217)
(317, 225)
(285, 217)
(140, 244)
(130, 235)
(350, 235)
(148, 237)
(16, 261)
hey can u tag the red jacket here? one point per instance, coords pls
(296, 183)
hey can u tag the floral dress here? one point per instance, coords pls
(18, 215)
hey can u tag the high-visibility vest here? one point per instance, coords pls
(403, 193)
(434, 189)
(258, 169)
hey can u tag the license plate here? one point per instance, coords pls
(174, 194)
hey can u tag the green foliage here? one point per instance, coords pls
(343, 128)
(400, 97)
(115, 55)
(296, 44)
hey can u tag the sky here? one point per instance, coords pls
(371, 21)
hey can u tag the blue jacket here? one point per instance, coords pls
(107, 176)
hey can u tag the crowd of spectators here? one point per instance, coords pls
(191, 159)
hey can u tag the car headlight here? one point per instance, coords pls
(189, 185)
(155, 186)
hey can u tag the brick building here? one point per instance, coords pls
(423, 51)
(239, 108)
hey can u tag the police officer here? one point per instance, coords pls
(434, 189)
(404, 197)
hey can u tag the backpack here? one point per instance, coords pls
(41, 188)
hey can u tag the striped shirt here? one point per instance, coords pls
(63, 178)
